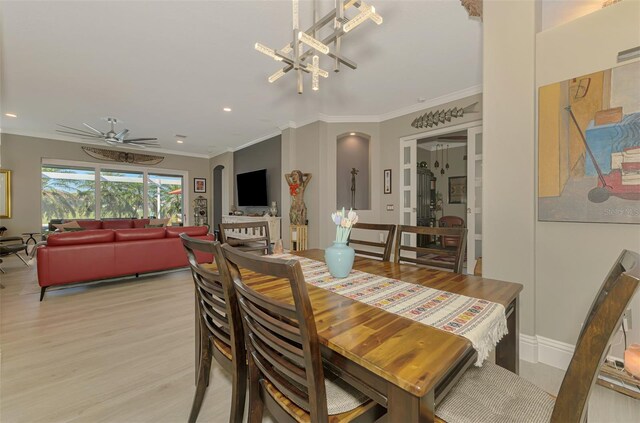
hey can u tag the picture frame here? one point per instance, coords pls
(200, 185)
(5, 194)
(457, 190)
(387, 181)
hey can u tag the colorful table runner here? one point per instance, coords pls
(482, 322)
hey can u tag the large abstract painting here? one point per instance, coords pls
(589, 148)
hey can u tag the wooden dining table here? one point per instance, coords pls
(404, 365)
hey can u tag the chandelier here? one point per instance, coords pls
(296, 58)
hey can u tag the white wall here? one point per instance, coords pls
(573, 258)
(508, 148)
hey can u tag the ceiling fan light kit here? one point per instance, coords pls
(296, 58)
(111, 137)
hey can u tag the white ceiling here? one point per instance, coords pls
(169, 68)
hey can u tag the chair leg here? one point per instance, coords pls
(239, 392)
(256, 406)
(44, 288)
(23, 260)
(203, 374)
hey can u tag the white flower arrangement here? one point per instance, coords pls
(344, 222)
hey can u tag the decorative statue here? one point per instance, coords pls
(354, 172)
(297, 181)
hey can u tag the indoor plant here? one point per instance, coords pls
(339, 257)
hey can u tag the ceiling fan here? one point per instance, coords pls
(111, 137)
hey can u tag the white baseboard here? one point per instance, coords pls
(528, 348)
(538, 349)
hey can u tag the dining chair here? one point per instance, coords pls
(247, 236)
(491, 393)
(375, 246)
(286, 371)
(445, 258)
(221, 334)
(450, 222)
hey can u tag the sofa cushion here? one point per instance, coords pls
(82, 237)
(175, 231)
(140, 223)
(161, 222)
(117, 224)
(67, 225)
(139, 234)
(90, 224)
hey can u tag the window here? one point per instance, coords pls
(68, 193)
(165, 197)
(116, 192)
(121, 194)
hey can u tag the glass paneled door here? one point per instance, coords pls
(474, 196)
(166, 198)
(408, 183)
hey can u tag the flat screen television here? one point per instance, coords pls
(252, 188)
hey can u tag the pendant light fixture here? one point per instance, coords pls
(293, 55)
(447, 165)
(437, 163)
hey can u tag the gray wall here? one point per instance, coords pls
(23, 156)
(264, 155)
(353, 151)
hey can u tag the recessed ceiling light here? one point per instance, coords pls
(11, 115)
(352, 134)
(227, 109)
(180, 141)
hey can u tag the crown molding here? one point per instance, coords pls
(348, 119)
(256, 141)
(437, 101)
(87, 142)
(414, 108)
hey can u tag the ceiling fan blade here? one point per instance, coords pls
(80, 135)
(140, 139)
(93, 129)
(120, 135)
(77, 130)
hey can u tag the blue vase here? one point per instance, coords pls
(339, 258)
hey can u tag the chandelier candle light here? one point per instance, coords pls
(296, 58)
(339, 257)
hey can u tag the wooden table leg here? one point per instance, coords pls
(404, 407)
(508, 349)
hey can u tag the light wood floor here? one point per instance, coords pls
(123, 352)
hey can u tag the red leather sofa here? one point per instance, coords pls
(71, 257)
(106, 223)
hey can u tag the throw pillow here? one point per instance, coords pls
(155, 222)
(154, 226)
(74, 229)
(62, 227)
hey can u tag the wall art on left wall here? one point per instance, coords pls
(199, 185)
(5, 194)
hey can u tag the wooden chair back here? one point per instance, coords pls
(215, 298)
(603, 320)
(386, 246)
(457, 254)
(247, 236)
(281, 338)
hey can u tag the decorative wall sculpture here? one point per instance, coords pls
(122, 156)
(430, 119)
(589, 148)
(298, 182)
(473, 7)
